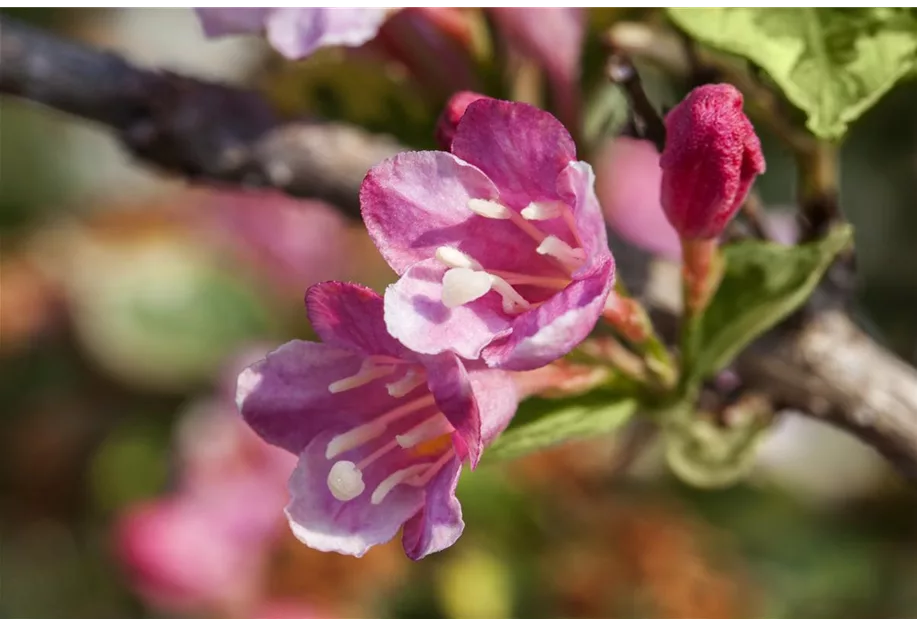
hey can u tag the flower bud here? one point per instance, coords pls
(710, 161)
(452, 114)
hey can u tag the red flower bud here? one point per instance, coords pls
(710, 161)
(452, 113)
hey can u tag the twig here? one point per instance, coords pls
(833, 371)
(203, 131)
(621, 71)
(753, 212)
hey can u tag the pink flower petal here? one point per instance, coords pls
(449, 382)
(553, 329)
(439, 524)
(285, 397)
(298, 32)
(519, 147)
(230, 21)
(352, 527)
(417, 201)
(417, 317)
(576, 183)
(498, 398)
(350, 316)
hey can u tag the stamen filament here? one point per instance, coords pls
(567, 214)
(513, 302)
(406, 384)
(432, 470)
(433, 427)
(391, 482)
(369, 371)
(514, 278)
(371, 430)
(379, 452)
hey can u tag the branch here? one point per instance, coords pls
(834, 372)
(823, 365)
(203, 131)
(620, 70)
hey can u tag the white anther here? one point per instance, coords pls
(489, 209)
(454, 258)
(462, 285)
(562, 251)
(543, 210)
(345, 481)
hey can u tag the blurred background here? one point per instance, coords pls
(131, 487)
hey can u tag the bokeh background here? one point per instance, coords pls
(130, 486)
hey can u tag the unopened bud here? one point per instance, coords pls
(711, 158)
(452, 115)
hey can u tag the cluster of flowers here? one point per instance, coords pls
(500, 245)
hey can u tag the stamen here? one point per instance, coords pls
(454, 258)
(391, 482)
(433, 427)
(562, 251)
(345, 481)
(514, 278)
(513, 302)
(371, 430)
(462, 285)
(489, 209)
(571, 224)
(530, 229)
(403, 386)
(379, 452)
(543, 210)
(432, 470)
(370, 370)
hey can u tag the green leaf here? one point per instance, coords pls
(763, 283)
(832, 63)
(541, 423)
(705, 455)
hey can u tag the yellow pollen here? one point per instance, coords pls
(433, 447)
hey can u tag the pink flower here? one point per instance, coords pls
(181, 558)
(197, 550)
(628, 179)
(296, 32)
(381, 431)
(290, 242)
(500, 244)
(452, 115)
(553, 38)
(710, 161)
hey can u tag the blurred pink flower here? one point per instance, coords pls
(180, 560)
(434, 44)
(553, 38)
(203, 549)
(293, 242)
(279, 608)
(296, 32)
(628, 182)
